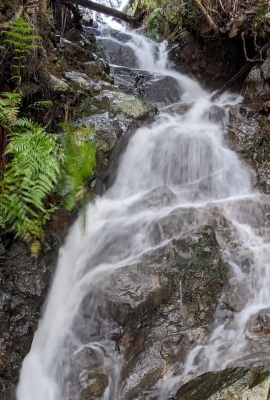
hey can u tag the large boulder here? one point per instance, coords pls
(118, 53)
(158, 89)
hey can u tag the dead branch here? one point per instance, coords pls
(207, 16)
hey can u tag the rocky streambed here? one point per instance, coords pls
(150, 314)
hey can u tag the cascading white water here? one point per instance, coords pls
(188, 154)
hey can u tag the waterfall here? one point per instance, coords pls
(188, 154)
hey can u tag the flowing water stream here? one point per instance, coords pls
(188, 154)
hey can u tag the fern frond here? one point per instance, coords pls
(21, 38)
(24, 122)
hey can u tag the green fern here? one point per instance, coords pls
(39, 164)
(9, 108)
(79, 161)
(29, 177)
(21, 38)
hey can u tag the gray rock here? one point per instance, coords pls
(158, 89)
(249, 135)
(75, 52)
(158, 197)
(265, 68)
(81, 80)
(255, 85)
(117, 53)
(92, 68)
(58, 85)
(118, 102)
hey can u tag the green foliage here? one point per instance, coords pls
(79, 160)
(261, 19)
(40, 105)
(163, 18)
(38, 163)
(20, 37)
(190, 9)
(153, 23)
(29, 177)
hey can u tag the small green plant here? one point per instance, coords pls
(153, 23)
(41, 104)
(79, 160)
(21, 39)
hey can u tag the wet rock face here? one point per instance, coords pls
(118, 53)
(186, 277)
(249, 136)
(161, 305)
(156, 310)
(160, 90)
(113, 46)
(238, 383)
(23, 285)
(261, 323)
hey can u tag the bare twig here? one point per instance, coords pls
(221, 5)
(235, 4)
(245, 51)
